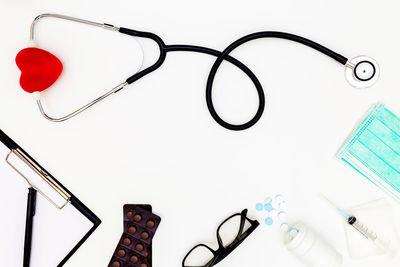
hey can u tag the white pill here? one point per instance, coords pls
(273, 213)
(283, 205)
(293, 232)
(279, 198)
(284, 227)
(282, 216)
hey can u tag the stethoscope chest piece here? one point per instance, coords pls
(362, 72)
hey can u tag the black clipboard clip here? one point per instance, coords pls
(46, 177)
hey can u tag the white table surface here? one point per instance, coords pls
(155, 142)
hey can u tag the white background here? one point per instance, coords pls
(155, 142)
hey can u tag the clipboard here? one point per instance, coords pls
(62, 222)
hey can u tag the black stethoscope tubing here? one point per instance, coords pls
(224, 55)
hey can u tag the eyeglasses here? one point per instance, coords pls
(230, 234)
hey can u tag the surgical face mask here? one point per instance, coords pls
(373, 149)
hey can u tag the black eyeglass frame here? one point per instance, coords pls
(222, 252)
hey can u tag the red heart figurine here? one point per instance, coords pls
(39, 69)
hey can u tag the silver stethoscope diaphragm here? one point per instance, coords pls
(362, 72)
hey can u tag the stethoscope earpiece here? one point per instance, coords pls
(362, 72)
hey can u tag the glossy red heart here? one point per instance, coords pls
(39, 69)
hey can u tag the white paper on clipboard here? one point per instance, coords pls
(55, 231)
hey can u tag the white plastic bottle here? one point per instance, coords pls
(310, 249)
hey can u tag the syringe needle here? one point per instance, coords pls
(342, 212)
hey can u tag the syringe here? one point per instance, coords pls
(361, 228)
(369, 234)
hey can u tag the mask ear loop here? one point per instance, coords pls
(95, 101)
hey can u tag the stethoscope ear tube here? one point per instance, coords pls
(88, 105)
(160, 60)
(81, 109)
(117, 88)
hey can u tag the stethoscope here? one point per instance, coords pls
(360, 72)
